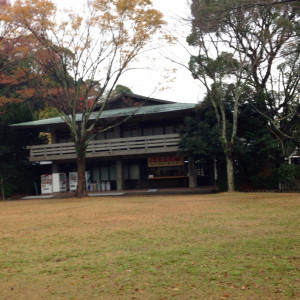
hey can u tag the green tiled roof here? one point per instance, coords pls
(113, 113)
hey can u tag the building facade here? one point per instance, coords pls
(140, 152)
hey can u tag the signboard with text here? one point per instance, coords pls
(165, 161)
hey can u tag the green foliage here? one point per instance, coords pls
(287, 172)
(258, 34)
(14, 166)
(12, 142)
(297, 172)
(255, 143)
(223, 65)
(49, 112)
(256, 152)
(120, 89)
(266, 180)
(217, 16)
(195, 138)
(287, 177)
(18, 177)
(199, 135)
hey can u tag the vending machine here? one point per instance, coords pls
(59, 182)
(46, 184)
(73, 180)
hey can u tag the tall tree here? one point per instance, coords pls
(87, 52)
(255, 35)
(269, 37)
(220, 73)
(256, 150)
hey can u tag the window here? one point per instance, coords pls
(100, 136)
(147, 131)
(131, 132)
(96, 174)
(158, 130)
(126, 133)
(169, 129)
(106, 135)
(132, 172)
(63, 137)
(104, 173)
(109, 134)
(113, 172)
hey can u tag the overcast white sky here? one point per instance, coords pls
(156, 78)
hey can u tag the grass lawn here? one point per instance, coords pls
(235, 246)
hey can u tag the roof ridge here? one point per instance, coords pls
(133, 95)
(118, 112)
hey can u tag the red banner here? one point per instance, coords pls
(165, 161)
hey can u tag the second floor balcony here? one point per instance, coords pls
(108, 148)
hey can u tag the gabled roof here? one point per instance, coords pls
(126, 99)
(114, 113)
(139, 97)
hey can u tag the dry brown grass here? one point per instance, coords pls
(237, 246)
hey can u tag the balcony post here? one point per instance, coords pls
(120, 179)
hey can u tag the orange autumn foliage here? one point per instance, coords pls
(81, 56)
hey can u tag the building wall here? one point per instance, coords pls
(122, 131)
(129, 170)
(136, 172)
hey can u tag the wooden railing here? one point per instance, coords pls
(104, 148)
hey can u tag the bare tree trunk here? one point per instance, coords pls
(230, 171)
(81, 185)
(192, 172)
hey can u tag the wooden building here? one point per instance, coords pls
(139, 153)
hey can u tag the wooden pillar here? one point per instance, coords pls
(120, 179)
(53, 136)
(192, 172)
